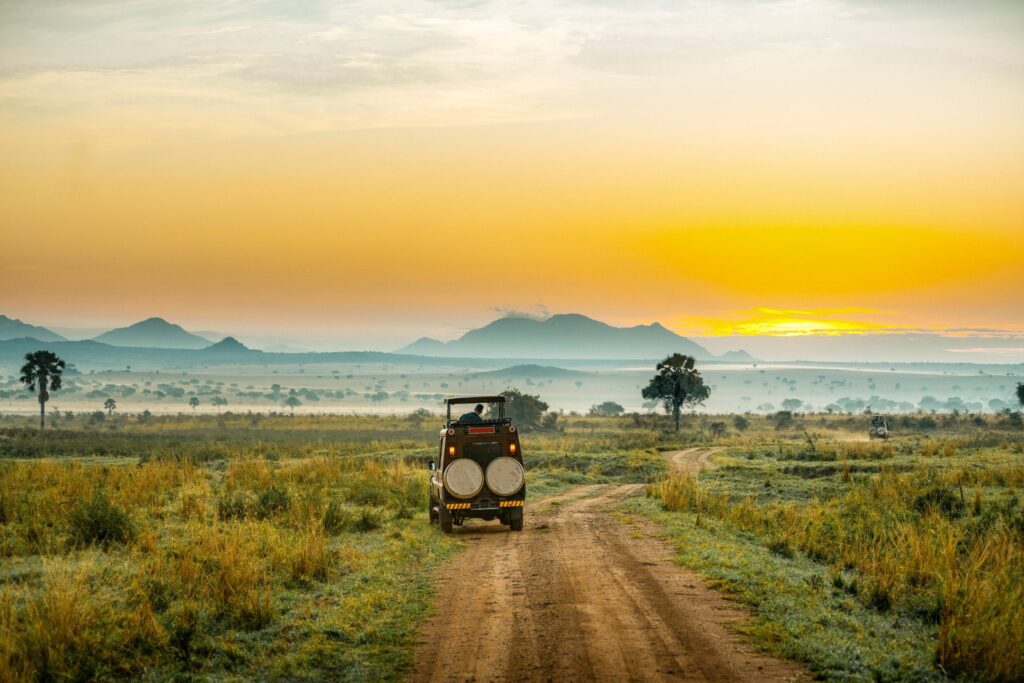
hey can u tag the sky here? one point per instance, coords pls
(364, 173)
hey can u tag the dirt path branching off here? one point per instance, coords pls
(579, 595)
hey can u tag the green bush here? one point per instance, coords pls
(272, 501)
(100, 522)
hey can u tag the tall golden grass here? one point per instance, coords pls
(914, 541)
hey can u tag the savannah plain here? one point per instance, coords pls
(296, 547)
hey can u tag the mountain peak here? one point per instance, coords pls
(154, 333)
(227, 344)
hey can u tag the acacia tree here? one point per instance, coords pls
(607, 409)
(677, 384)
(42, 370)
(526, 410)
(292, 402)
(193, 403)
(110, 405)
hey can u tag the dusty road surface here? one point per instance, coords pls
(579, 595)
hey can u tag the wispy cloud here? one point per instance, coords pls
(236, 67)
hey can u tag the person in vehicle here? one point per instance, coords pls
(473, 415)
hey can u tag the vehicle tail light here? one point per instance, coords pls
(512, 448)
(451, 451)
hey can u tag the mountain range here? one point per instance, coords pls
(564, 336)
(567, 336)
(12, 328)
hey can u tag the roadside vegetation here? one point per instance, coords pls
(885, 560)
(244, 547)
(297, 547)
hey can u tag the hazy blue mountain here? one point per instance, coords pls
(229, 347)
(530, 371)
(12, 328)
(92, 355)
(153, 333)
(561, 336)
(738, 356)
(425, 346)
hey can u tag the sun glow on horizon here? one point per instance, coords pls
(825, 167)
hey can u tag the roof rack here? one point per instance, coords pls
(473, 399)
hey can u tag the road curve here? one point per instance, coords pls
(581, 595)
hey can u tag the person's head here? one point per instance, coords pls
(479, 410)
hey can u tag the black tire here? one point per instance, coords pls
(516, 524)
(444, 518)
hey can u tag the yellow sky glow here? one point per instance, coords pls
(371, 168)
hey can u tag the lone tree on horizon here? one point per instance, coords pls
(292, 402)
(193, 403)
(110, 405)
(677, 384)
(42, 370)
(1020, 393)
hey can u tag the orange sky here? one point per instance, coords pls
(820, 166)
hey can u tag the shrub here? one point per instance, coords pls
(272, 501)
(99, 522)
(237, 506)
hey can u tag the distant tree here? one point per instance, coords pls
(193, 403)
(110, 405)
(740, 423)
(792, 404)
(607, 409)
(678, 384)
(292, 402)
(718, 429)
(526, 410)
(218, 401)
(783, 419)
(1020, 393)
(42, 371)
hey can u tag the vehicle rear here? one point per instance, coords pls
(478, 471)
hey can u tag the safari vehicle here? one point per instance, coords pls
(879, 428)
(478, 471)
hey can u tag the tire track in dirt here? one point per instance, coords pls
(579, 595)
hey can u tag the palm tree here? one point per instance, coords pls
(42, 369)
(109, 405)
(194, 402)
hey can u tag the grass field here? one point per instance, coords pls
(287, 548)
(869, 561)
(234, 548)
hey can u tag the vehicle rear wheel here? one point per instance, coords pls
(432, 512)
(444, 518)
(516, 524)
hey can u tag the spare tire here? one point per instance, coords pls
(463, 478)
(505, 476)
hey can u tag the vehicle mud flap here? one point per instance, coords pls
(444, 518)
(515, 519)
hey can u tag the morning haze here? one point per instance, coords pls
(426, 340)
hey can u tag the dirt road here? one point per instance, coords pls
(579, 595)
